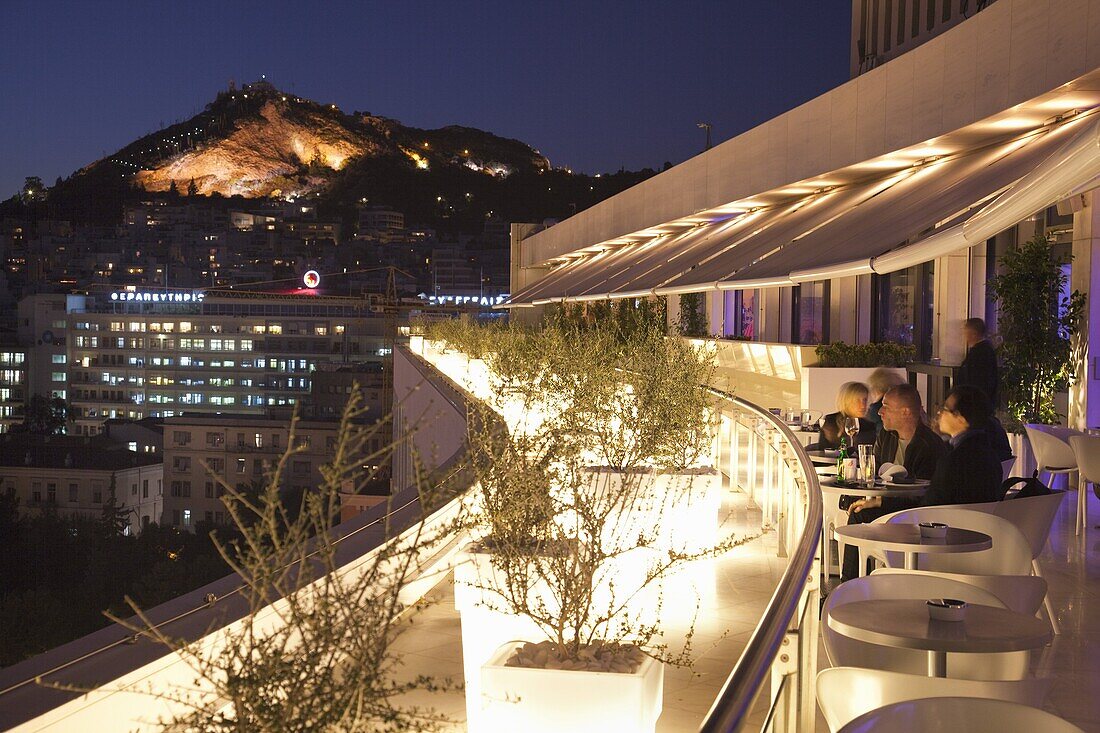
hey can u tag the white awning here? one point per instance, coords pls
(915, 213)
(882, 224)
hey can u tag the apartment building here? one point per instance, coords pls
(76, 476)
(203, 453)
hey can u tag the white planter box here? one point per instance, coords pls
(555, 701)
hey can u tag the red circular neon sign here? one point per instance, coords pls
(311, 279)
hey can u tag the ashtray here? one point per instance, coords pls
(946, 609)
(933, 530)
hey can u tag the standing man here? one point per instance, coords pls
(979, 368)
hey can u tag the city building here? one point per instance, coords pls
(77, 476)
(134, 354)
(204, 453)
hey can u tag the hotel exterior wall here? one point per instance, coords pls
(1009, 53)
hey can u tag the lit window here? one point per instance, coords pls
(57, 358)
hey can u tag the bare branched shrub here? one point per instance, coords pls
(313, 649)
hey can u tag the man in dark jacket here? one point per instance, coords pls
(968, 473)
(905, 439)
(979, 368)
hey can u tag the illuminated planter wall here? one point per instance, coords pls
(553, 701)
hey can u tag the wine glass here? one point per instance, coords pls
(851, 428)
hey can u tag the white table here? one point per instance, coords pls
(906, 538)
(805, 437)
(905, 624)
(917, 488)
(819, 456)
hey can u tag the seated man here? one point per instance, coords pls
(905, 439)
(966, 474)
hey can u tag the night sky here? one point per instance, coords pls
(593, 85)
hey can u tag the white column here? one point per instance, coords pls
(951, 301)
(768, 310)
(1084, 402)
(716, 313)
(865, 304)
(673, 309)
(844, 309)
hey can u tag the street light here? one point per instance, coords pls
(706, 126)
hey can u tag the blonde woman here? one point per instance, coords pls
(880, 381)
(851, 404)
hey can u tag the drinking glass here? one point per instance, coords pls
(867, 465)
(851, 427)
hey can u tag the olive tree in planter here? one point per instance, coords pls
(580, 580)
(1037, 326)
(640, 407)
(577, 556)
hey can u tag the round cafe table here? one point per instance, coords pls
(905, 538)
(915, 489)
(822, 457)
(905, 624)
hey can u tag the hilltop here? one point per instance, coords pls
(260, 142)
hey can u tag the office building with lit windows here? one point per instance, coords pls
(133, 354)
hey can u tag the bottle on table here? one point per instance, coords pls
(841, 458)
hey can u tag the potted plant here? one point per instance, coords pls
(567, 574)
(1038, 323)
(582, 584)
(638, 406)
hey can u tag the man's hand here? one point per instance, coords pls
(872, 503)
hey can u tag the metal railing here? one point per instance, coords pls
(782, 652)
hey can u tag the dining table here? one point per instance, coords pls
(905, 624)
(906, 538)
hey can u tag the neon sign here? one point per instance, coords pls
(139, 297)
(484, 300)
(311, 279)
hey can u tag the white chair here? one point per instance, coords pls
(1033, 516)
(844, 651)
(954, 714)
(1006, 468)
(1086, 448)
(845, 693)
(1053, 454)
(1010, 554)
(1019, 593)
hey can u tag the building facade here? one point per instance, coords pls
(133, 354)
(203, 454)
(77, 476)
